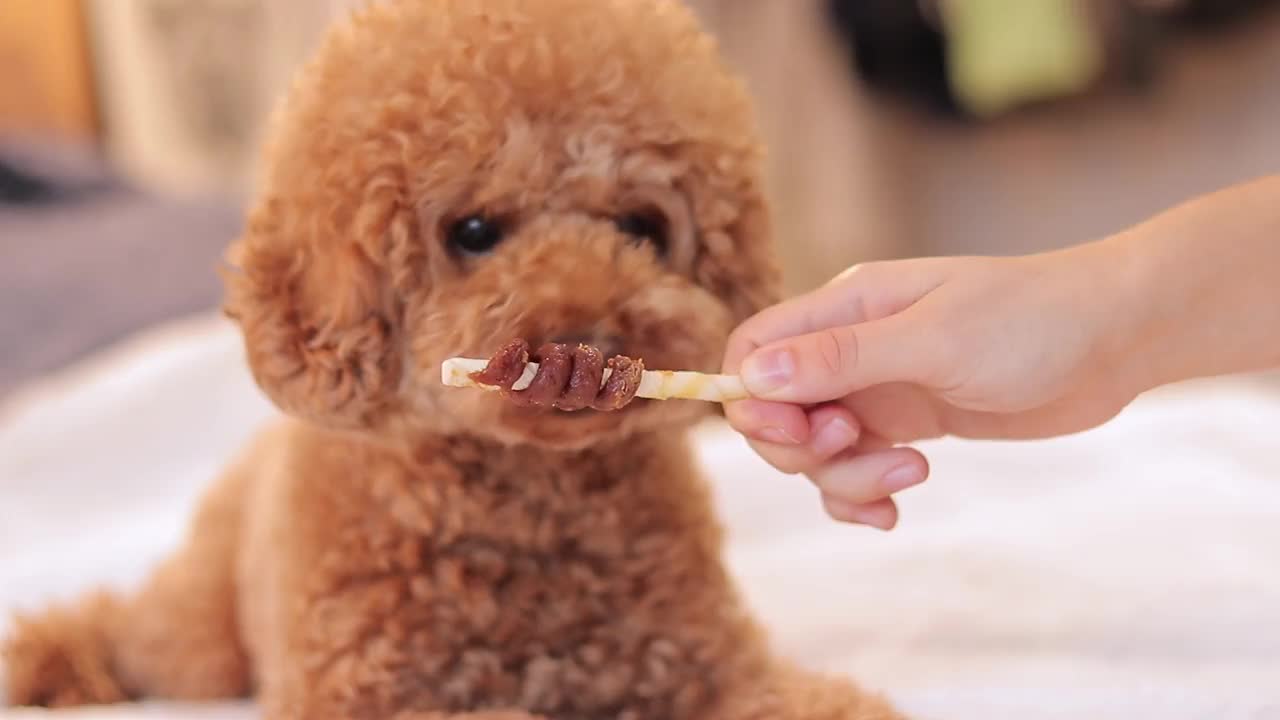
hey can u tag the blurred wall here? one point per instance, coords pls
(1093, 165)
(188, 85)
(835, 156)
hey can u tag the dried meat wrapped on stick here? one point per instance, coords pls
(575, 378)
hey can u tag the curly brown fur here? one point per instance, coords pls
(398, 549)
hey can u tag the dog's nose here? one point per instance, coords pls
(608, 345)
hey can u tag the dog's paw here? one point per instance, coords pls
(59, 659)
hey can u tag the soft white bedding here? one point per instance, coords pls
(1131, 572)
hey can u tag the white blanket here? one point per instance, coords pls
(1130, 572)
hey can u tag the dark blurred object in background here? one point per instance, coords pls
(901, 49)
(896, 50)
(36, 176)
(1211, 13)
(18, 187)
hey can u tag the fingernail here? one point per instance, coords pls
(768, 370)
(901, 478)
(778, 436)
(833, 437)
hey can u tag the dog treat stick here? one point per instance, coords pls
(572, 379)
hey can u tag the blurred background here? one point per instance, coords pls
(1125, 573)
(129, 129)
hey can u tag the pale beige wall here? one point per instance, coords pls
(836, 180)
(187, 84)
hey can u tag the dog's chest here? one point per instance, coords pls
(565, 636)
(560, 597)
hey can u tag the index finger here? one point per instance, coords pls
(860, 294)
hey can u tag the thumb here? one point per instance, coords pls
(831, 363)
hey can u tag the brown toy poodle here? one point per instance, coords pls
(445, 176)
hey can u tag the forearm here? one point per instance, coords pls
(1199, 286)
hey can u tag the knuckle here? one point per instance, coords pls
(839, 509)
(834, 508)
(788, 461)
(738, 420)
(789, 464)
(844, 484)
(830, 353)
(837, 350)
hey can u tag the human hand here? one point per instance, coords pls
(890, 353)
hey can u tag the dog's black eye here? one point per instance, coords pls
(475, 234)
(646, 226)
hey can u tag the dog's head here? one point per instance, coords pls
(448, 175)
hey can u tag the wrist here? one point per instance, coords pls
(1116, 296)
(1189, 293)
(1204, 301)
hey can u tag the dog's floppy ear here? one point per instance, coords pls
(311, 293)
(758, 283)
(737, 258)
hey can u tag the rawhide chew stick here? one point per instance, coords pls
(573, 378)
